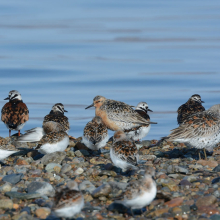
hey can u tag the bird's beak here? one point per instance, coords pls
(90, 106)
(65, 110)
(132, 106)
(149, 110)
(7, 98)
(202, 101)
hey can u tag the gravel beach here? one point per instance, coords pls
(187, 188)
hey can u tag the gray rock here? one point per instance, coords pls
(87, 186)
(118, 185)
(43, 188)
(215, 217)
(78, 153)
(55, 157)
(6, 204)
(217, 169)
(103, 190)
(23, 195)
(50, 166)
(216, 194)
(176, 169)
(66, 168)
(13, 178)
(6, 187)
(191, 178)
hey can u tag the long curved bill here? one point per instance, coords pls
(90, 106)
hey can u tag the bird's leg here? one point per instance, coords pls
(9, 133)
(199, 155)
(205, 153)
(19, 133)
(132, 213)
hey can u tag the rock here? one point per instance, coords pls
(66, 168)
(217, 168)
(19, 195)
(78, 153)
(96, 161)
(80, 146)
(185, 183)
(108, 173)
(79, 171)
(42, 188)
(21, 162)
(50, 167)
(174, 202)
(210, 163)
(164, 195)
(13, 178)
(216, 180)
(215, 217)
(205, 201)
(210, 210)
(55, 157)
(26, 209)
(176, 169)
(117, 207)
(118, 185)
(6, 204)
(6, 187)
(42, 213)
(191, 178)
(103, 190)
(87, 186)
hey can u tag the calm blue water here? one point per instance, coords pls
(160, 52)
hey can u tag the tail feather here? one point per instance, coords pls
(32, 135)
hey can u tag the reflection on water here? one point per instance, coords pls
(160, 52)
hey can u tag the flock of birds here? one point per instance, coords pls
(198, 128)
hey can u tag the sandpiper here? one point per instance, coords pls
(95, 134)
(14, 113)
(117, 115)
(193, 105)
(68, 201)
(123, 152)
(199, 130)
(140, 193)
(140, 132)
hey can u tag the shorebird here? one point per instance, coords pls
(95, 134)
(140, 193)
(117, 115)
(124, 153)
(6, 149)
(14, 113)
(140, 132)
(200, 130)
(193, 105)
(56, 121)
(52, 142)
(68, 201)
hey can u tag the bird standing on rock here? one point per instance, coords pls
(14, 113)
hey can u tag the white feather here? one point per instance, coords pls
(32, 135)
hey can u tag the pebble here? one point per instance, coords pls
(66, 168)
(43, 188)
(103, 190)
(6, 187)
(79, 171)
(13, 178)
(6, 204)
(87, 186)
(42, 213)
(56, 157)
(52, 167)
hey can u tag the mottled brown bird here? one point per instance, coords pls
(117, 115)
(14, 113)
(193, 105)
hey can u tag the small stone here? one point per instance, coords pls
(66, 168)
(6, 187)
(210, 163)
(15, 206)
(185, 183)
(42, 188)
(50, 167)
(56, 157)
(42, 213)
(206, 201)
(96, 161)
(103, 190)
(13, 178)
(78, 153)
(87, 186)
(23, 195)
(79, 171)
(22, 162)
(217, 168)
(174, 202)
(118, 207)
(6, 204)
(215, 217)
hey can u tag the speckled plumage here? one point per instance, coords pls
(123, 152)
(200, 130)
(14, 113)
(57, 115)
(193, 105)
(68, 201)
(52, 142)
(140, 193)
(117, 115)
(95, 134)
(140, 132)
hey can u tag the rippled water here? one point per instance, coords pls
(160, 52)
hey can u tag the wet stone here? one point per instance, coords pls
(103, 190)
(13, 178)
(55, 157)
(206, 201)
(50, 167)
(6, 204)
(66, 168)
(87, 186)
